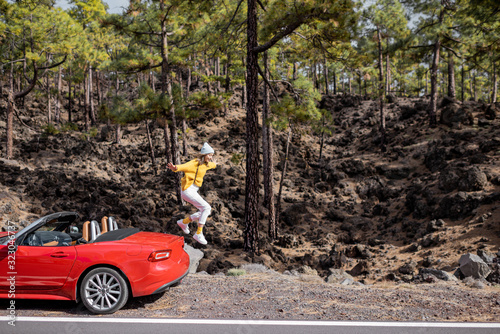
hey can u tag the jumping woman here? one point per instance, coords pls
(194, 171)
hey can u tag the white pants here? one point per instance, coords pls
(191, 195)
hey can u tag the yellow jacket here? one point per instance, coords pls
(189, 169)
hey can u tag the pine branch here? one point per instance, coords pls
(267, 82)
(454, 52)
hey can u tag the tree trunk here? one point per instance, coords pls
(334, 83)
(188, 81)
(184, 121)
(343, 82)
(295, 71)
(217, 73)
(151, 148)
(251, 236)
(495, 84)
(451, 77)
(462, 83)
(381, 91)
(283, 173)
(443, 84)
(86, 103)
(471, 93)
(208, 72)
(10, 121)
(227, 84)
(58, 101)
(322, 139)
(244, 89)
(91, 100)
(98, 87)
(49, 104)
(349, 81)
(359, 84)
(268, 159)
(314, 75)
(117, 84)
(434, 83)
(70, 100)
(387, 71)
(474, 86)
(426, 82)
(167, 89)
(327, 84)
(118, 134)
(166, 135)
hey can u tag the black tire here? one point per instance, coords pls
(104, 291)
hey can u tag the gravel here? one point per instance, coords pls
(299, 297)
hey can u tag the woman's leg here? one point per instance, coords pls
(191, 195)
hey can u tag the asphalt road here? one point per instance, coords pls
(104, 325)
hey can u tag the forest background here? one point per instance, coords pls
(167, 63)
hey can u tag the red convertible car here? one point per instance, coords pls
(101, 265)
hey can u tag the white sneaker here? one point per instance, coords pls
(200, 238)
(184, 227)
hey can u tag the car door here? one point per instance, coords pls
(7, 263)
(43, 267)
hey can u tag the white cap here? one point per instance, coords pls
(206, 149)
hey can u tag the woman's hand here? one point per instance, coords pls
(172, 167)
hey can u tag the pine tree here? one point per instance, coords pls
(280, 20)
(41, 36)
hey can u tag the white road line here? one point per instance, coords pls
(260, 322)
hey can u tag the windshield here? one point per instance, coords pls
(57, 221)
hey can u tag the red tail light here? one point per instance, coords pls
(160, 255)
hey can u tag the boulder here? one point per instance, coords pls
(452, 115)
(394, 172)
(298, 214)
(472, 265)
(195, 255)
(439, 274)
(359, 251)
(448, 179)
(408, 268)
(435, 225)
(436, 158)
(486, 256)
(431, 240)
(219, 264)
(473, 179)
(356, 167)
(391, 98)
(458, 205)
(362, 268)
(289, 241)
(491, 112)
(494, 276)
(337, 276)
(446, 101)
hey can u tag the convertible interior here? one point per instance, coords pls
(92, 232)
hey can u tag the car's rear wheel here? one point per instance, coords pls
(104, 291)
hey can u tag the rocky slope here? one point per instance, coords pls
(432, 197)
